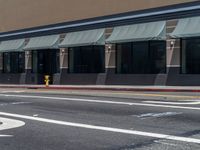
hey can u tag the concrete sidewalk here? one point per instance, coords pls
(109, 87)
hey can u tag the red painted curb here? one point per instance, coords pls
(106, 89)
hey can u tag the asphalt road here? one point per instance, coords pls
(61, 121)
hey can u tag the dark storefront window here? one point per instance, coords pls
(87, 59)
(141, 57)
(46, 61)
(14, 62)
(6, 63)
(190, 56)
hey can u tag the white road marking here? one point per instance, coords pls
(4, 104)
(12, 91)
(173, 103)
(102, 101)
(158, 115)
(102, 128)
(165, 143)
(1, 135)
(19, 103)
(15, 103)
(10, 123)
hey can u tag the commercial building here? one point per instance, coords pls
(105, 42)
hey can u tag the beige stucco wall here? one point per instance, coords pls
(19, 14)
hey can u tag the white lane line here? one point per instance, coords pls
(158, 115)
(1, 135)
(15, 103)
(12, 91)
(19, 103)
(102, 101)
(10, 123)
(102, 128)
(173, 103)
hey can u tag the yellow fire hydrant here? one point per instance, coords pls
(46, 80)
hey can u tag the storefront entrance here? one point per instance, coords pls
(45, 62)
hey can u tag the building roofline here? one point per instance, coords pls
(152, 14)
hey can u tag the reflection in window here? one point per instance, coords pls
(14, 62)
(34, 62)
(190, 56)
(87, 59)
(141, 57)
(21, 59)
(157, 57)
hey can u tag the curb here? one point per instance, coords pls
(106, 89)
(128, 89)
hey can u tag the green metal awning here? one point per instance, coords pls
(43, 42)
(187, 27)
(12, 45)
(138, 32)
(84, 38)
